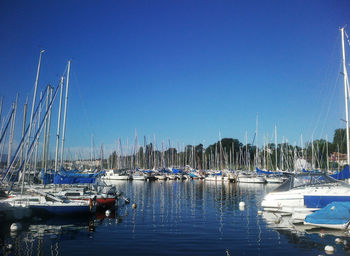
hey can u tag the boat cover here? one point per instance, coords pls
(335, 213)
(344, 174)
(259, 171)
(176, 171)
(69, 177)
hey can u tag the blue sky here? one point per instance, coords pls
(182, 70)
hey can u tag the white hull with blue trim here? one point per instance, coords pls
(311, 191)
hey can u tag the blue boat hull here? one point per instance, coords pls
(61, 210)
(323, 201)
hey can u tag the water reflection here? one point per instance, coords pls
(306, 236)
(173, 218)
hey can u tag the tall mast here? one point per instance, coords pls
(45, 129)
(48, 132)
(24, 124)
(276, 147)
(35, 90)
(312, 152)
(65, 113)
(33, 105)
(58, 125)
(257, 145)
(327, 154)
(12, 130)
(346, 84)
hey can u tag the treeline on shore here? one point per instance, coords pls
(230, 153)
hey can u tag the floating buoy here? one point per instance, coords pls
(15, 226)
(241, 208)
(338, 240)
(107, 213)
(329, 249)
(322, 233)
(260, 212)
(241, 204)
(134, 206)
(9, 247)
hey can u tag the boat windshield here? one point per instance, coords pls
(303, 180)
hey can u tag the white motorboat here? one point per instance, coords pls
(250, 178)
(116, 175)
(307, 190)
(214, 177)
(160, 176)
(138, 176)
(274, 179)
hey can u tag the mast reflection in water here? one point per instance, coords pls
(172, 218)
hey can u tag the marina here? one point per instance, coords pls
(172, 218)
(174, 128)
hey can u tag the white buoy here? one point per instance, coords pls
(107, 213)
(329, 249)
(260, 212)
(321, 234)
(15, 226)
(134, 206)
(241, 204)
(9, 247)
(338, 240)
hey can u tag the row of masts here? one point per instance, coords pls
(24, 159)
(235, 155)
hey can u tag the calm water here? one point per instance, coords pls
(171, 218)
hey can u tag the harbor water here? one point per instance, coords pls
(172, 218)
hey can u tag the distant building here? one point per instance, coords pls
(339, 158)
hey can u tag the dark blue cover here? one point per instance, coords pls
(344, 174)
(259, 171)
(176, 171)
(74, 177)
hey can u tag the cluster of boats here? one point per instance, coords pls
(59, 199)
(211, 175)
(313, 199)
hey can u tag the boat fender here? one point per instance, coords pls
(329, 249)
(15, 226)
(108, 213)
(338, 240)
(134, 206)
(241, 204)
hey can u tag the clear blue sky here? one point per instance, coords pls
(184, 70)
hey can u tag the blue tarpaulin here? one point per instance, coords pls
(176, 171)
(344, 174)
(333, 214)
(69, 177)
(259, 171)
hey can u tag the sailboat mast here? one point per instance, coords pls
(24, 124)
(58, 125)
(346, 97)
(276, 147)
(257, 145)
(65, 113)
